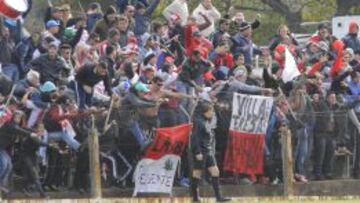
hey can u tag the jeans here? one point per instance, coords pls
(11, 70)
(324, 154)
(83, 98)
(302, 149)
(186, 103)
(64, 136)
(5, 168)
(138, 133)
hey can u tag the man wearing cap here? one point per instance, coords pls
(143, 17)
(39, 99)
(56, 14)
(132, 104)
(242, 43)
(52, 31)
(238, 84)
(50, 66)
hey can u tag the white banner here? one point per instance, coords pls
(250, 113)
(155, 176)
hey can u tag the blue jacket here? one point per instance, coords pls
(242, 45)
(142, 22)
(352, 41)
(92, 19)
(121, 4)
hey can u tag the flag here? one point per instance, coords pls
(169, 141)
(291, 70)
(249, 121)
(155, 176)
(156, 171)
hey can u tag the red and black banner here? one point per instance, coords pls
(169, 141)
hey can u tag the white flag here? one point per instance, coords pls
(290, 70)
(155, 176)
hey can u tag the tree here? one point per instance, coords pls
(343, 7)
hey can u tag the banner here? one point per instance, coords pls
(249, 122)
(155, 176)
(169, 141)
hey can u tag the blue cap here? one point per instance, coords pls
(52, 23)
(48, 87)
(141, 87)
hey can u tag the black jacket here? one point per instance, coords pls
(9, 133)
(203, 136)
(50, 70)
(130, 107)
(87, 76)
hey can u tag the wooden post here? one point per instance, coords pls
(287, 161)
(94, 153)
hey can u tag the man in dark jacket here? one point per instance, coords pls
(87, 78)
(133, 102)
(242, 43)
(7, 47)
(93, 14)
(324, 135)
(32, 80)
(203, 150)
(9, 132)
(143, 17)
(191, 78)
(50, 66)
(351, 40)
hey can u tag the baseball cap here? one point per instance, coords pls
(48, 87)
(52, 23)
(141, 87)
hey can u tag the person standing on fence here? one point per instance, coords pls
(324, 135)
(203, 151)
(302, 127)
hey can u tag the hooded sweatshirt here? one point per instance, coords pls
(351, 40)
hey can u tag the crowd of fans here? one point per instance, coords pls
(147, 74)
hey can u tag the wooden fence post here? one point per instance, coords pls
(287, 161)
(94, 156)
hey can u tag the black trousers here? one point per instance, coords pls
(30, 168)
(324, 153)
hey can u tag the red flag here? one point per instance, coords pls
(169, 141)
(245, 153)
